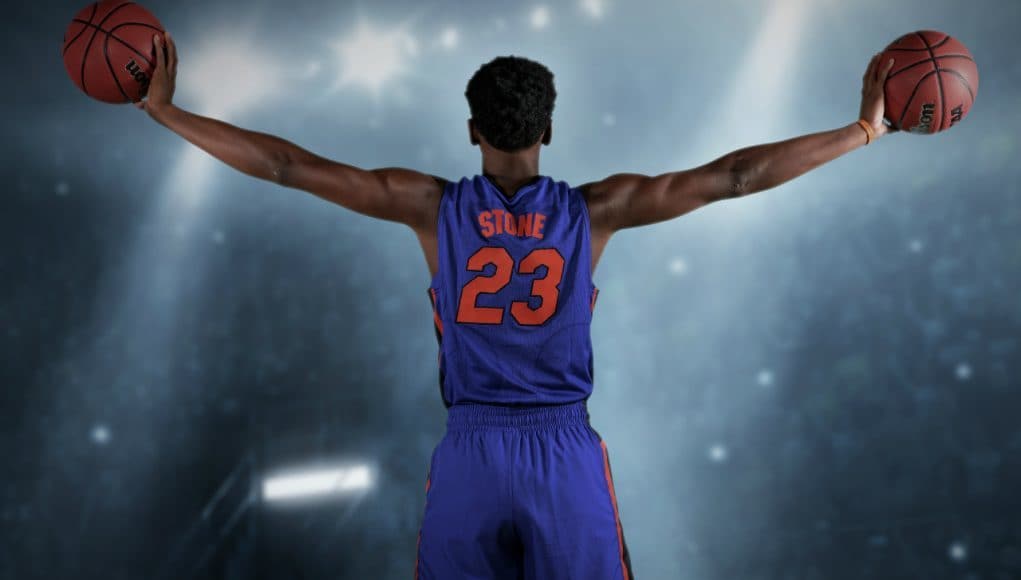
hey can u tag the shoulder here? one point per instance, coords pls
(606, 198)
(596, 197)
(413, 197)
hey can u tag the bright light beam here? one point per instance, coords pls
(231, 74)
(317, 483)
(760, 97)
(594, 8)
(136, 313)
(761, 89)
(449, 38)
(756, 103)
(539, 17)
(370, 57)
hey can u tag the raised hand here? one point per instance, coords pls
(164, 77)
(873, 98)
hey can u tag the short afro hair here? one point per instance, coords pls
(511, 101)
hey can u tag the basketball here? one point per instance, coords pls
(108, 50)
(932, 84)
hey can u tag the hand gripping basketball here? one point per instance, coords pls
(873, 98)
(164, 77)
(108, 50)
(933, 85)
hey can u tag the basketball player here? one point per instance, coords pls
(520, 485)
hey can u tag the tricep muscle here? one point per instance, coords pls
(394, 194)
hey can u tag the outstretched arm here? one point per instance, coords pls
(629, 200)
(400, 195)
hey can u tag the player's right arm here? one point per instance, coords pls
(628, 200)
(394, 194)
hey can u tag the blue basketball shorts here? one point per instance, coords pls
(521, 493)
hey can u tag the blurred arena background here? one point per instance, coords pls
(818, 382)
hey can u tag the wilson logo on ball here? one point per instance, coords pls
(136, 71)
(933, 83)
(925, 122)
(956, 114)
(108, 50)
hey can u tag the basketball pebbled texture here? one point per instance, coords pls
(933, 83)
(108, 51)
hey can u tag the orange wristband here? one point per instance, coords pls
(870, 133)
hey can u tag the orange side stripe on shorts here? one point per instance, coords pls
(436, 314)
(616, 516)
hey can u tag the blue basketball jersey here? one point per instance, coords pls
(513, 295)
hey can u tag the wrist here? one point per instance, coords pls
(158, 111)
(867, 130)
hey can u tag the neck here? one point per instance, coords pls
(522, 164)
(510, 171)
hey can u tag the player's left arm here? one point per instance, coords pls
(629, 200)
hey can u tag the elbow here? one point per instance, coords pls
(739, 175)
(280, 165)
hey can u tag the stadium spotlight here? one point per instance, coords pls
(230, 74)
(317, 483)
(371, 56)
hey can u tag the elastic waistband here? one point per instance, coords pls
(467, 416)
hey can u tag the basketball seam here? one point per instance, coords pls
(964, 81)
(85, 55)
(68, 44)
(123, 24)
(911, 66)
(939, 82)
(900, 122)
(114, 9)
(124, 42)
(937, 45)
(113, 73)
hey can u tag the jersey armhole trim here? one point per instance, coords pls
(588, 235)
(434, 280)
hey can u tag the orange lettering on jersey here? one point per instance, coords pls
(498, 218)
(486, 221)
(525, 224)
(540, 220)
(498, 221)
(508, 224)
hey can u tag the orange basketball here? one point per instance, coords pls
(933, 83)
(108, 50)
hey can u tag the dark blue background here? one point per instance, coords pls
(820, 381)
